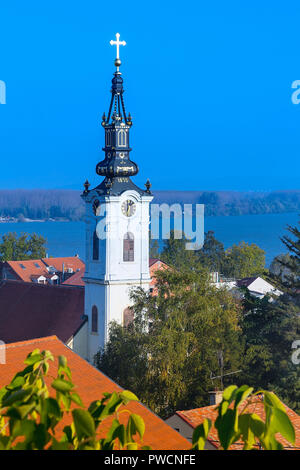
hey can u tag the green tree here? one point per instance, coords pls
(244, 260)
(174, 252)
(212, 254)
(130, 344)
(288, 277)
(36, 246)
(154, 249)
(277, 266)
(24, 247)
(171, 348)
(270, 325)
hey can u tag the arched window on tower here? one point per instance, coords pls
(128, 247)
(94, 319)
(122, 138)
(96, 207)
(95, 246)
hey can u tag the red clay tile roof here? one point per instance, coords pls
(75, 279)
(72, 262)
(33, 267)
(90, 384)
(197, 416)
(30, 310)
(25, 270)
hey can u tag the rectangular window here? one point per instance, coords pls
(95, 246)
(94, 319)
(128, 253)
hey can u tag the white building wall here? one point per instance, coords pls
(95, 294)
(78, 343)
(183, 428)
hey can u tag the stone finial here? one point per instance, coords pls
(148, 186)
(86, 186)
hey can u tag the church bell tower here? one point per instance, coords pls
(117, 225)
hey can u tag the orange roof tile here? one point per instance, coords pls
(75, 279)
(90, 385)
(196, 416)
(72, 262)
(27, 268)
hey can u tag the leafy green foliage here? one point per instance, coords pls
(23, 247)
(288, 278)
(238, 261)
(30, 417)
(190, 322)
(236, 424)
(168, 352)
(244, 260)
(212, 254)
(269, 327)
(200, 434)
(153, 248)
(174, 252)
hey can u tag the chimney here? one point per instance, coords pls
(215, 397)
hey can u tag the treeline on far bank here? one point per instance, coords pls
(39, 204)
(67, 204)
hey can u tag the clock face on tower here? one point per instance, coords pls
(128, 208)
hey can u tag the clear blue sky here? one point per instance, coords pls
(208, 85)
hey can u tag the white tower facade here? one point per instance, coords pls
(117, 229)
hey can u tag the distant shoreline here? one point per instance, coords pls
(15, 221)
(12, 220)
(38, 205)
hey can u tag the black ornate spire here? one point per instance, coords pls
(117, 168)
(117, 163)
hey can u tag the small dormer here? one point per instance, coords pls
(51, 269)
